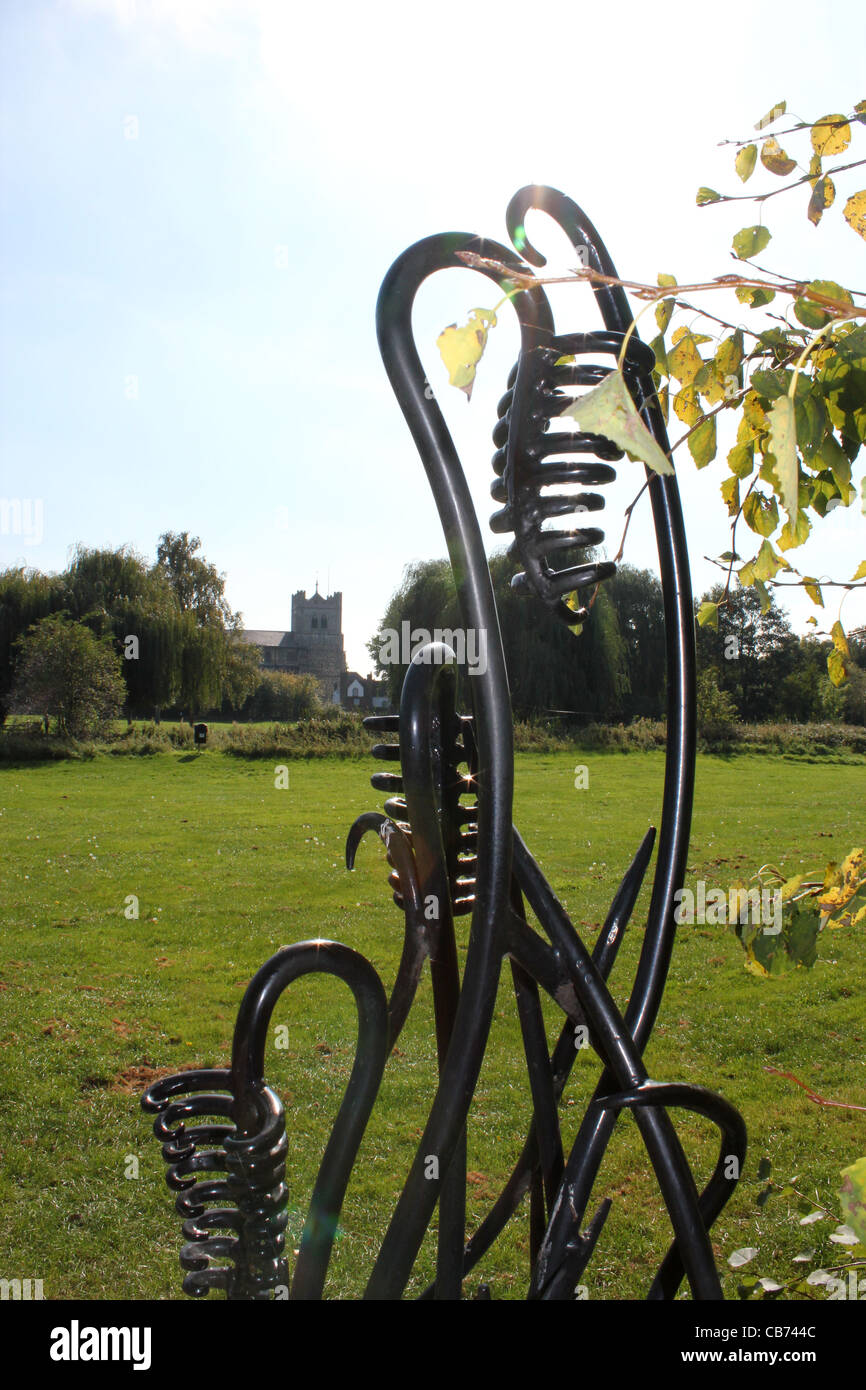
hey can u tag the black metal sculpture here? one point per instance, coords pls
(450, 857)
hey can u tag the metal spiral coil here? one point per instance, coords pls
(458, 820)
(530, 460)
(239, 1248)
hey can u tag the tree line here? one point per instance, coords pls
(114, 631)
(753, 667)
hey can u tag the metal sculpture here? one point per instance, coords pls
(467, 857)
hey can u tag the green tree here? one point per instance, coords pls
(68, 673)
(214, 662)
(636, 598)
(283, 695)
(179, 639)
(198, 587)
(25, 597)
(752, 649)
(716, 710)
(549, 668)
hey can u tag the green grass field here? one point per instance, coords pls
(226, 868)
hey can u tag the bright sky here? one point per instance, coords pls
(201, 198)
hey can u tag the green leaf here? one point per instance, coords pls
(834, 457)
(763, 595)
(810, 417)
(708, 615)
(658, 347)
(707, 195)
(853, 1197)
(754, 295)
(761, 513)
(702, 442)
(741, 459)
(810, 313)
(767, 563)
(750, 241)
(801, 932)
(609, 410)
(745, 161)
(770, 384)
(783, 442)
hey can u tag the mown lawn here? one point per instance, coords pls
(226, 868)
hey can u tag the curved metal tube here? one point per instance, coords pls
(493, 728)
(248, 1051)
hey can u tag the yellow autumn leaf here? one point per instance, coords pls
(461, 349)
(831, 135)
(686, 406)
(754, 417)
(774, 158)
(795, 532)
(609, 410)
(753, 965)
(823, 197)
(783, 442)
(684, 359)
(836, 668)
(790, 887)
(849, 882)
(860, 572)
(840, 641)
(854, 213)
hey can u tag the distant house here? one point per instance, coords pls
(353, 691)
(313, 646)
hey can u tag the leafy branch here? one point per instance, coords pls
(798, 392)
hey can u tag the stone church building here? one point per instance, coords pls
(314, 645)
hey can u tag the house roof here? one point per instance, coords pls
(259, 637)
